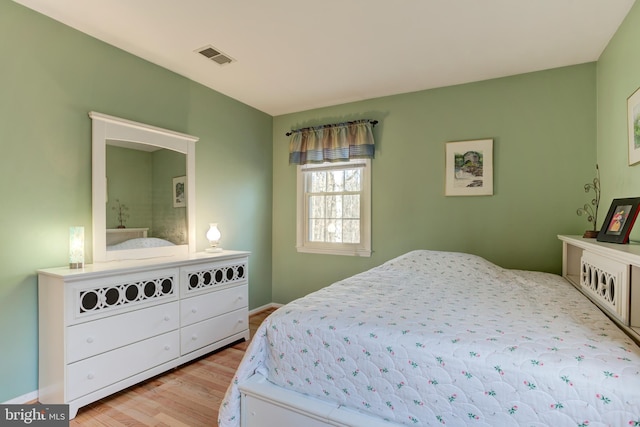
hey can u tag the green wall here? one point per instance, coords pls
(168, 223)
(51, 77)
(618, 76)
(124, 167)
(544, 130)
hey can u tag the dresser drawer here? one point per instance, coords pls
(96, 372)
(98, 298)
(198, 279)
(95, 337)
(204, 306)
(211, 330)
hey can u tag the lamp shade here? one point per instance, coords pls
(213, 236)
(76, 247)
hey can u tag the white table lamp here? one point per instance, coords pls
(213, 236)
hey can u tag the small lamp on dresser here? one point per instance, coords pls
(213, 236)
(76, 247)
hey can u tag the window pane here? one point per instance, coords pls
(317, 230)
(352, 179)
(334, 231)
(317, 182)
(335, 181)
(351, 231)
(351, 207)
(317, 207)
(334, 206)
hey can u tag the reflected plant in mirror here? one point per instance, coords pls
(121, 213)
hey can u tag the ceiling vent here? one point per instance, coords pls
(215, 55)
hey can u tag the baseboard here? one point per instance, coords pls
(25, 398)
(264, 307)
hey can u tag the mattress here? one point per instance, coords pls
(445, 338)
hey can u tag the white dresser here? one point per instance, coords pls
(607, 273)
(111, 325)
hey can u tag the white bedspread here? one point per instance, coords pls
(440, 338)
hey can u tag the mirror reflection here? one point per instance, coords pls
(145, 195)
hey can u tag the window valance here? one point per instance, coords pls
(338, 142)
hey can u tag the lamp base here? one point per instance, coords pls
(76, 265)
(215, 249)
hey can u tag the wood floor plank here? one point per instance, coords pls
(188, 396)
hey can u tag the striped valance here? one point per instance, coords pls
(338, 142)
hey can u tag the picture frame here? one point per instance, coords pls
(633, 123)
(469, 168)
(179, 192)
(619, 221)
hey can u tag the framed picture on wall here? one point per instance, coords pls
(633, 120)
(179, 192)
(619, 221)
(469, 168)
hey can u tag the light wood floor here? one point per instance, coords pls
(188, 396)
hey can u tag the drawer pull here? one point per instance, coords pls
(194, 310)
(91, 376)
(90, 340)
(194, 337)
(167, 347)
(167, 318)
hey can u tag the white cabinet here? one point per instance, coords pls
(111, 325)
(607, 273)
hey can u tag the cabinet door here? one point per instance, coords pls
(607, 281)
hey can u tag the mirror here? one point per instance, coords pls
(143, 190)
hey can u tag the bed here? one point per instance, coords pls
(119, 235)
(443, 338)
(140, 243)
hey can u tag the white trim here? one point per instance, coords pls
(363, 248)
(103, 128)
(25, 398)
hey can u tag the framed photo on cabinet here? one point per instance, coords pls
(469, 168)
(619, 221)
(633, 120)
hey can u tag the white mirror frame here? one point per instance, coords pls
(106, 128)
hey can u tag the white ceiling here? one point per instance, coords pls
(295, 55)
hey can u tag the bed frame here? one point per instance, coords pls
(609, 275)
(262, 400)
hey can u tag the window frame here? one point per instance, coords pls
(302, 218)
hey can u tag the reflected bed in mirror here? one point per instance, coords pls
(135, 169)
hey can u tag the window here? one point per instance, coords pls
(334, 208)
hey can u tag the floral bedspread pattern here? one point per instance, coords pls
(443, 338)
